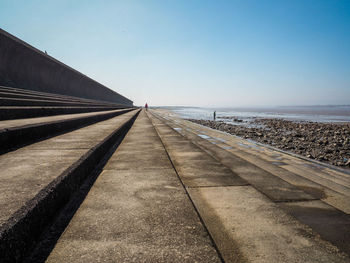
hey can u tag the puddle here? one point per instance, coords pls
(316, 192)
(313, 166)
(213, 140)
(204, 136)
(256, 147)
(278, 163)
(276, 155)
(220, 139)
(226, 147)
(244, 145)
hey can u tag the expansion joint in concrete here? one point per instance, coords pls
(217, 186)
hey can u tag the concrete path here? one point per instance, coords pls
(143, 207)
(137, 210)
(252, 222)
(327, 183)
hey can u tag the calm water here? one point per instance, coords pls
(300, 113)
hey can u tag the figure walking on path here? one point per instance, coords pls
(146, 106)
(214, 115)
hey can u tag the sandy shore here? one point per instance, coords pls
(325, 142)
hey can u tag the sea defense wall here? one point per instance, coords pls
(25, 67)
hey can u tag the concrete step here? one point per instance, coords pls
(136, 211)
(42, 102)
(44, 94)
(37, 180)
(46, 98)
(16, 133)
(20, 112)
(247, 222)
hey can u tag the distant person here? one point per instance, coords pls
(214, 115)
(146, 106)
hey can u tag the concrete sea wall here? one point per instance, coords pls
(23, 66)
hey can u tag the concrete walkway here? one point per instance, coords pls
(166, 196)
(245, 221)
(137, 210)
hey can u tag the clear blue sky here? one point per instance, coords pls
(199, 53)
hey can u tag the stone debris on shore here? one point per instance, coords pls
(325, 142)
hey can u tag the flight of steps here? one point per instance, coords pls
(18, 103)
(49, 145)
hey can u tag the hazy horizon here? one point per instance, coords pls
(197, 53)
(252, 106)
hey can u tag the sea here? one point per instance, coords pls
(325, 114)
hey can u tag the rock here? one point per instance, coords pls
(328, 150)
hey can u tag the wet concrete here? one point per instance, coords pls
(329, 222)
(241, 217)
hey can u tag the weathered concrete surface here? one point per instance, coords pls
(23, 66)
(331, 223)
(44, 98)
(313, 178)
(195, 167)
(17, 133)
(35, 181)
(137, 210)
(20, 112)
(272, 186)
(245, 224)
(40, 120)
(42, 94)
(259, 228)
(8, 92)
(26, 171)
(15, 102)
